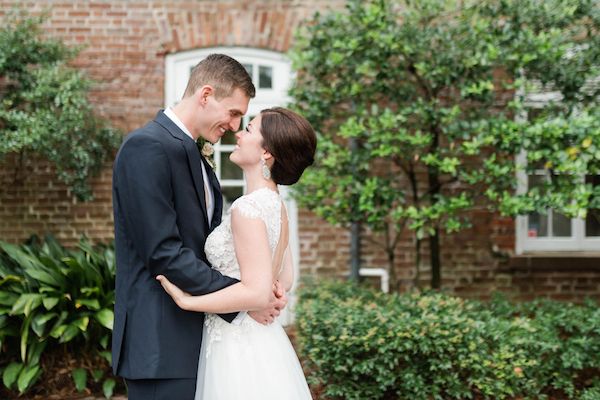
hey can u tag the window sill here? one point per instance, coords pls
(554, 262)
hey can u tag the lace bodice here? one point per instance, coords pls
(262, 203)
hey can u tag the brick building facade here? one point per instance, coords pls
(126, 45)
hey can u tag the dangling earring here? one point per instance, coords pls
(266, 172)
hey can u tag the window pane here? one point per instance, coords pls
(593, 179)
(248, 69)
(561, 225)
(592, 221)
(229, 137)
(228, 169)
(536, 180)
(265, 77)
(230, 193)
(537, 225)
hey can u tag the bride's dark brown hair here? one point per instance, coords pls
(291, 140)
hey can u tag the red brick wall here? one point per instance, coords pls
(33, 202)
(125, 47)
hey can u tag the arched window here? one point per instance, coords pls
(271, 74)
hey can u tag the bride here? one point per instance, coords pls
(251, 360)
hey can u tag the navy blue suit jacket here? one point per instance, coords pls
(160, 228)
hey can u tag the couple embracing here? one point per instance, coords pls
(197, 295)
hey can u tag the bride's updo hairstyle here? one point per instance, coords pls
(292, 142)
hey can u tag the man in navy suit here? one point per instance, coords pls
(166, 200)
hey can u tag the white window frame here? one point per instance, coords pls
(177, 69)
(577, 242)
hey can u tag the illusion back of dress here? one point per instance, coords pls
(264, 204)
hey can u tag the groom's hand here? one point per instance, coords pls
(278, 302)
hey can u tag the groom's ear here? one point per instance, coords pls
(203, 93)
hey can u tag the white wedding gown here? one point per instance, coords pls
(248, 361)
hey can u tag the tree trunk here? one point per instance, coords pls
(416, 282)
(354, 251)
(436, 267)
(434, 240)
(393, 280)
(354, 230)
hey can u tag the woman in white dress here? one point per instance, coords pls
(253, 361)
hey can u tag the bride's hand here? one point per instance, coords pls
(179, 296)
(278, 303)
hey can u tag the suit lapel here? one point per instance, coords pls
(193, 156)
(195, 160)
(218, 198)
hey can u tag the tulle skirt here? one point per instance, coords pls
(249, 361)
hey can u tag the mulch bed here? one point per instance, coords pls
(56, 382)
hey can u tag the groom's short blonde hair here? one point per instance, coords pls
(223, 73)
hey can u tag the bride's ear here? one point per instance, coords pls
(268, 157)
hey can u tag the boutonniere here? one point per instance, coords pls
(207, 150)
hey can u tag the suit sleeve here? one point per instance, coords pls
(144, 193)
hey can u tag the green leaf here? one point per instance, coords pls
(107, 356)
(42, 276)
(104, 341)
(105, 317)
(35, 352)
(26, 303)
(8, 298)
(92, 304)
(82, 323)
(80, 379)
(10, 278)
(38, 324)
(25, 336)
(108, 387)
(69, 333)
(97, 374)
(50, 302)
(58, 330)
(11, 372)
(27, 377)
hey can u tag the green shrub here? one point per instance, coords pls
(363, 344)
(44, 106)
(50, 297)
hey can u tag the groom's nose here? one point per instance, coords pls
(234, 124)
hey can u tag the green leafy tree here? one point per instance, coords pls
(421, 112)
(43, 105)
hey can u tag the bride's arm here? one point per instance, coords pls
(256, 286)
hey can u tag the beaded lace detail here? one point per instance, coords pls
(262, 203)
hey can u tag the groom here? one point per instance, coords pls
(166, 200)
